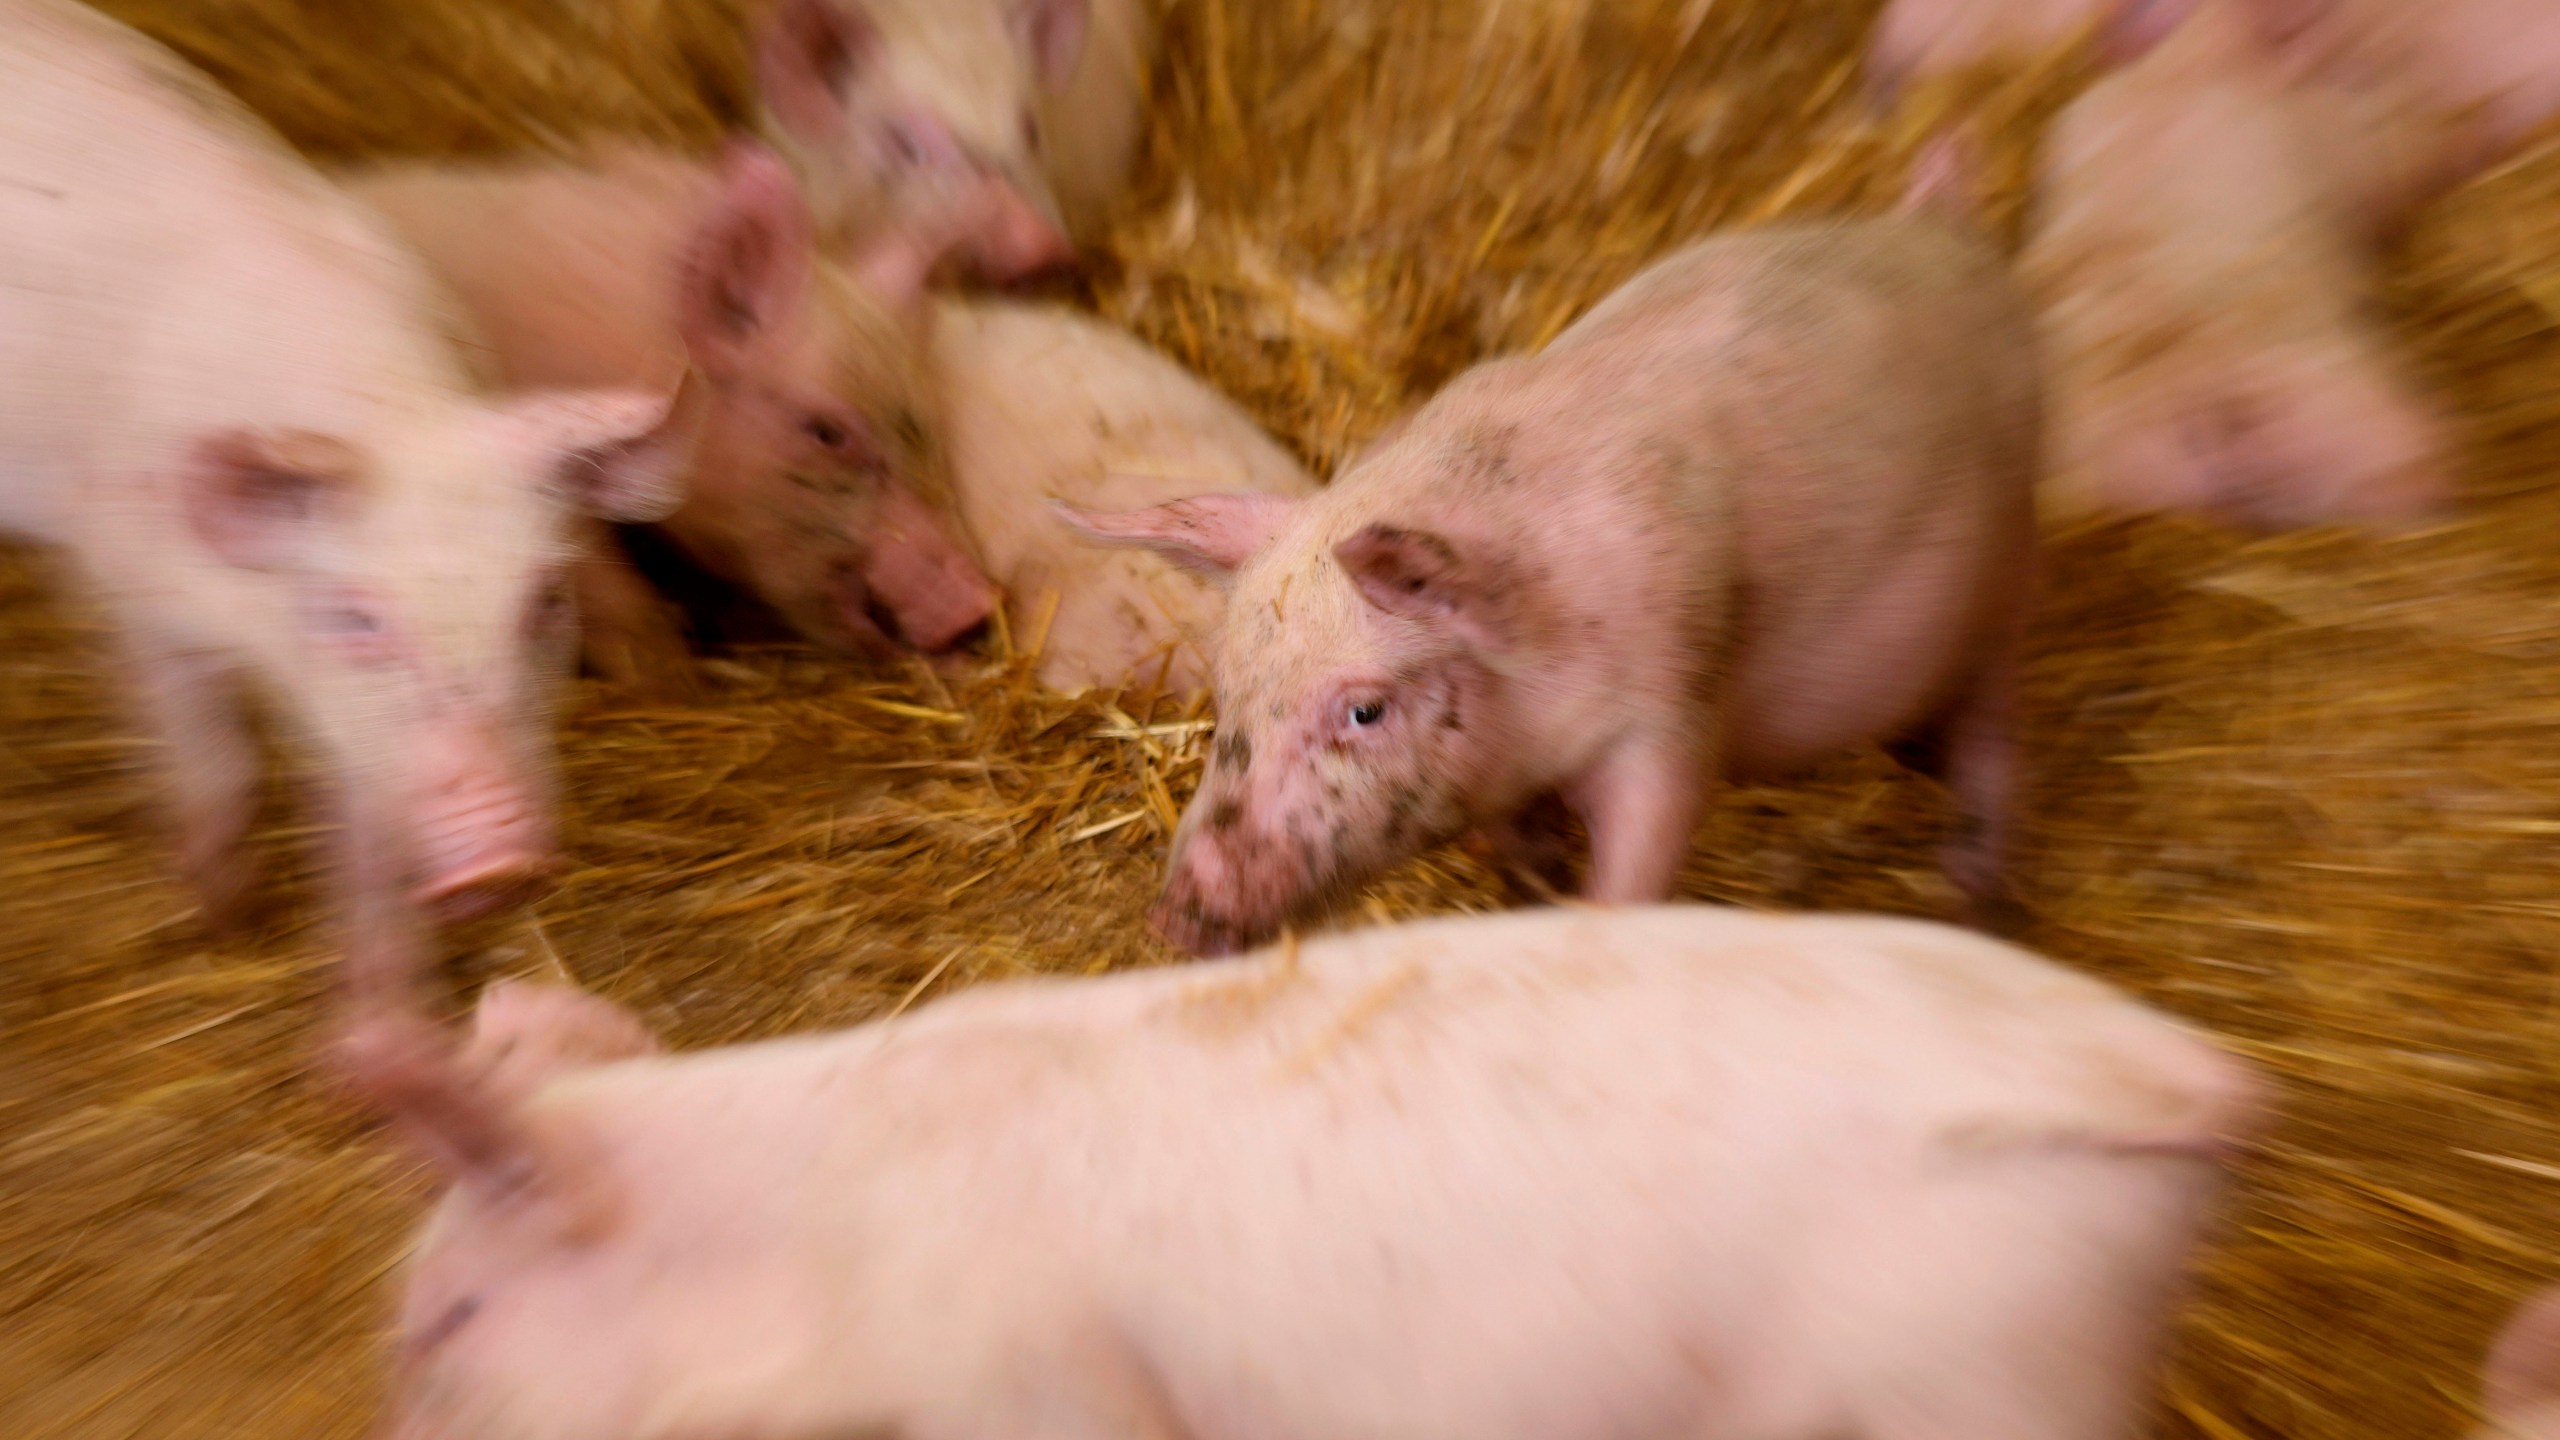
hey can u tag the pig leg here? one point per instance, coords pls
(1641, 804)
(625, 630)
(1972, 749)
(192, 702)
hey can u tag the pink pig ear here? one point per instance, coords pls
(1055, 33)
(259, 498)
(2133, 28)
(808, 58)
(1420, 575)
(524, 1035)
(2523, 1369)
(619, 455)
(472, 1131)
(750, 265)
(1212, 534)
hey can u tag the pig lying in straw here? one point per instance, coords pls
(1033, 107)
(1772, 499)
(235, 400)
(1649, 1172)
(1040, 403)
(814, 485)
(2522, 1389)
(2191, 371)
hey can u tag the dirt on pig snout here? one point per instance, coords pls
(2304, 790)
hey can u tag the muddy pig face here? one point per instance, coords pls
(891, 117)
(1358, 688)
(818, 484)
(413, 614)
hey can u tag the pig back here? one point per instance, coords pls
(1041, 404)
(1867, 392)
(1467, 1170)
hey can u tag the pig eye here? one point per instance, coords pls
(1365, 713)
(354, 624)
(552, 609)
(830, 436)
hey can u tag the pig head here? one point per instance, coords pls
(405, 599)
(1362, 705)
(818, 483)
(899, 107)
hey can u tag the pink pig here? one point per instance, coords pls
(1041, 404)
(232, 396)
(1655, 1172)
(2189, 372)
(2522, 1385)
(1033, 109)
(1772, 499)
(1918, 39)
(815, 485)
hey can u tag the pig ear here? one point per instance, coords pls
(1212, 534)
(750, 263)
(1422, 576)
(2133, 28)
(614, 454)
(2523, 1370)
(808, 59)
(524, 1035)
(466, 1127)
(1943, 179)
(258, 498)
(1054, 31)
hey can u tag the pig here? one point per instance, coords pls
(814, 485)
(1041, 404)
(1773, 498)
(238, 405)
(1649, 1172)
(1035, 106)
(1916, 40)
(2190, 371)
(2522, 1389)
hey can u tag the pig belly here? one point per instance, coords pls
(1871, 668)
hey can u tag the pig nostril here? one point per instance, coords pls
(883, 619)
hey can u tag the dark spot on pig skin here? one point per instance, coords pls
(1225, 814)
(1234, 752)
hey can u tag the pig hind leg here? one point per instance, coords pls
(192, 702)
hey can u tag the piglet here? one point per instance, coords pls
(1772, 499)
(1916, 40)
(2522, 1384)
(815, 485)
(894, 107)
(2206, 300)
(232, 396)
(1656, 1172)
(1041, 404)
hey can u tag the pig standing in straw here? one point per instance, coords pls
(1656, 1172)
(816, 484)
(1770, 500)
(232, 396)
(1030, 108)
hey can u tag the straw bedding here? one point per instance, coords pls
(2304, 790)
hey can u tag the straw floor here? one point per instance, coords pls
(2306, 791)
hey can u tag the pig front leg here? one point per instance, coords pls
(626, 629)
(1641, 804)
(191, 701)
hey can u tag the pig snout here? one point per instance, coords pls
(1018, 239)
(1221, 896)
(479, 839)
(917, 585)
